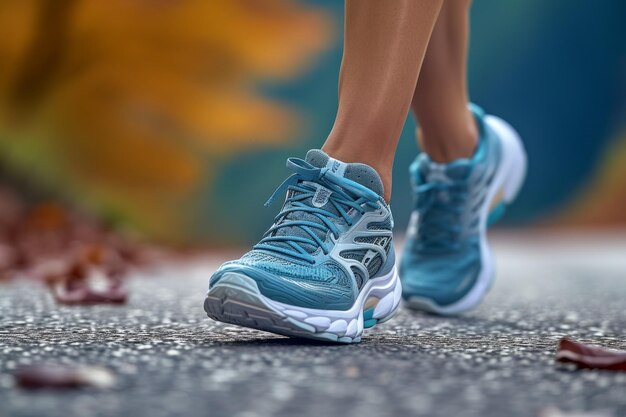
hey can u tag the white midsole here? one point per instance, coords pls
(509, 178)
(387, 289)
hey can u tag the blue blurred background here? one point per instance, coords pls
(555, 70)
(176, 120)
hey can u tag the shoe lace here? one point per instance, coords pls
(440, 205)
(345, 195)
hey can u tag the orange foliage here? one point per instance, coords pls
(118, 103)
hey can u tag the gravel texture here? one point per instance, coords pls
(169, 359)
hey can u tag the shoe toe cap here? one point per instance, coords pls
(300, 291)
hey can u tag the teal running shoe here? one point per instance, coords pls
(447, 266)
(326, 268)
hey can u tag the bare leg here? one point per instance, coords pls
(447, 128)
(385, 42)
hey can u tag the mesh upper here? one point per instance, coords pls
(353, 254)
(329, 272)
(328, 283)
(361, 173)
(385, 225)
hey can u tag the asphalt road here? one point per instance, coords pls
(169, 359)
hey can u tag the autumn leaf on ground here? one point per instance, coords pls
(590, 356)
(57, 376)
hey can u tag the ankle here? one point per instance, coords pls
(382, 167)
(447, 140)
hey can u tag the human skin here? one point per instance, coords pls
(384, 46)
(386, 43)
(447, 129)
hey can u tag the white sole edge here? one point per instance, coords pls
(236, 299)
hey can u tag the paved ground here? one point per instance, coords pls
(497, 361)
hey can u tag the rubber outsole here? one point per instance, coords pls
(236, 299)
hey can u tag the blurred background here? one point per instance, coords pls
(172, 119)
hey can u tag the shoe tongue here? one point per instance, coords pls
(357, 172)
(361, 173)
(435, 171)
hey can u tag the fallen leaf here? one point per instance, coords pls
(62, 376)
(81, 260)
(84, 295)
(590, 356)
